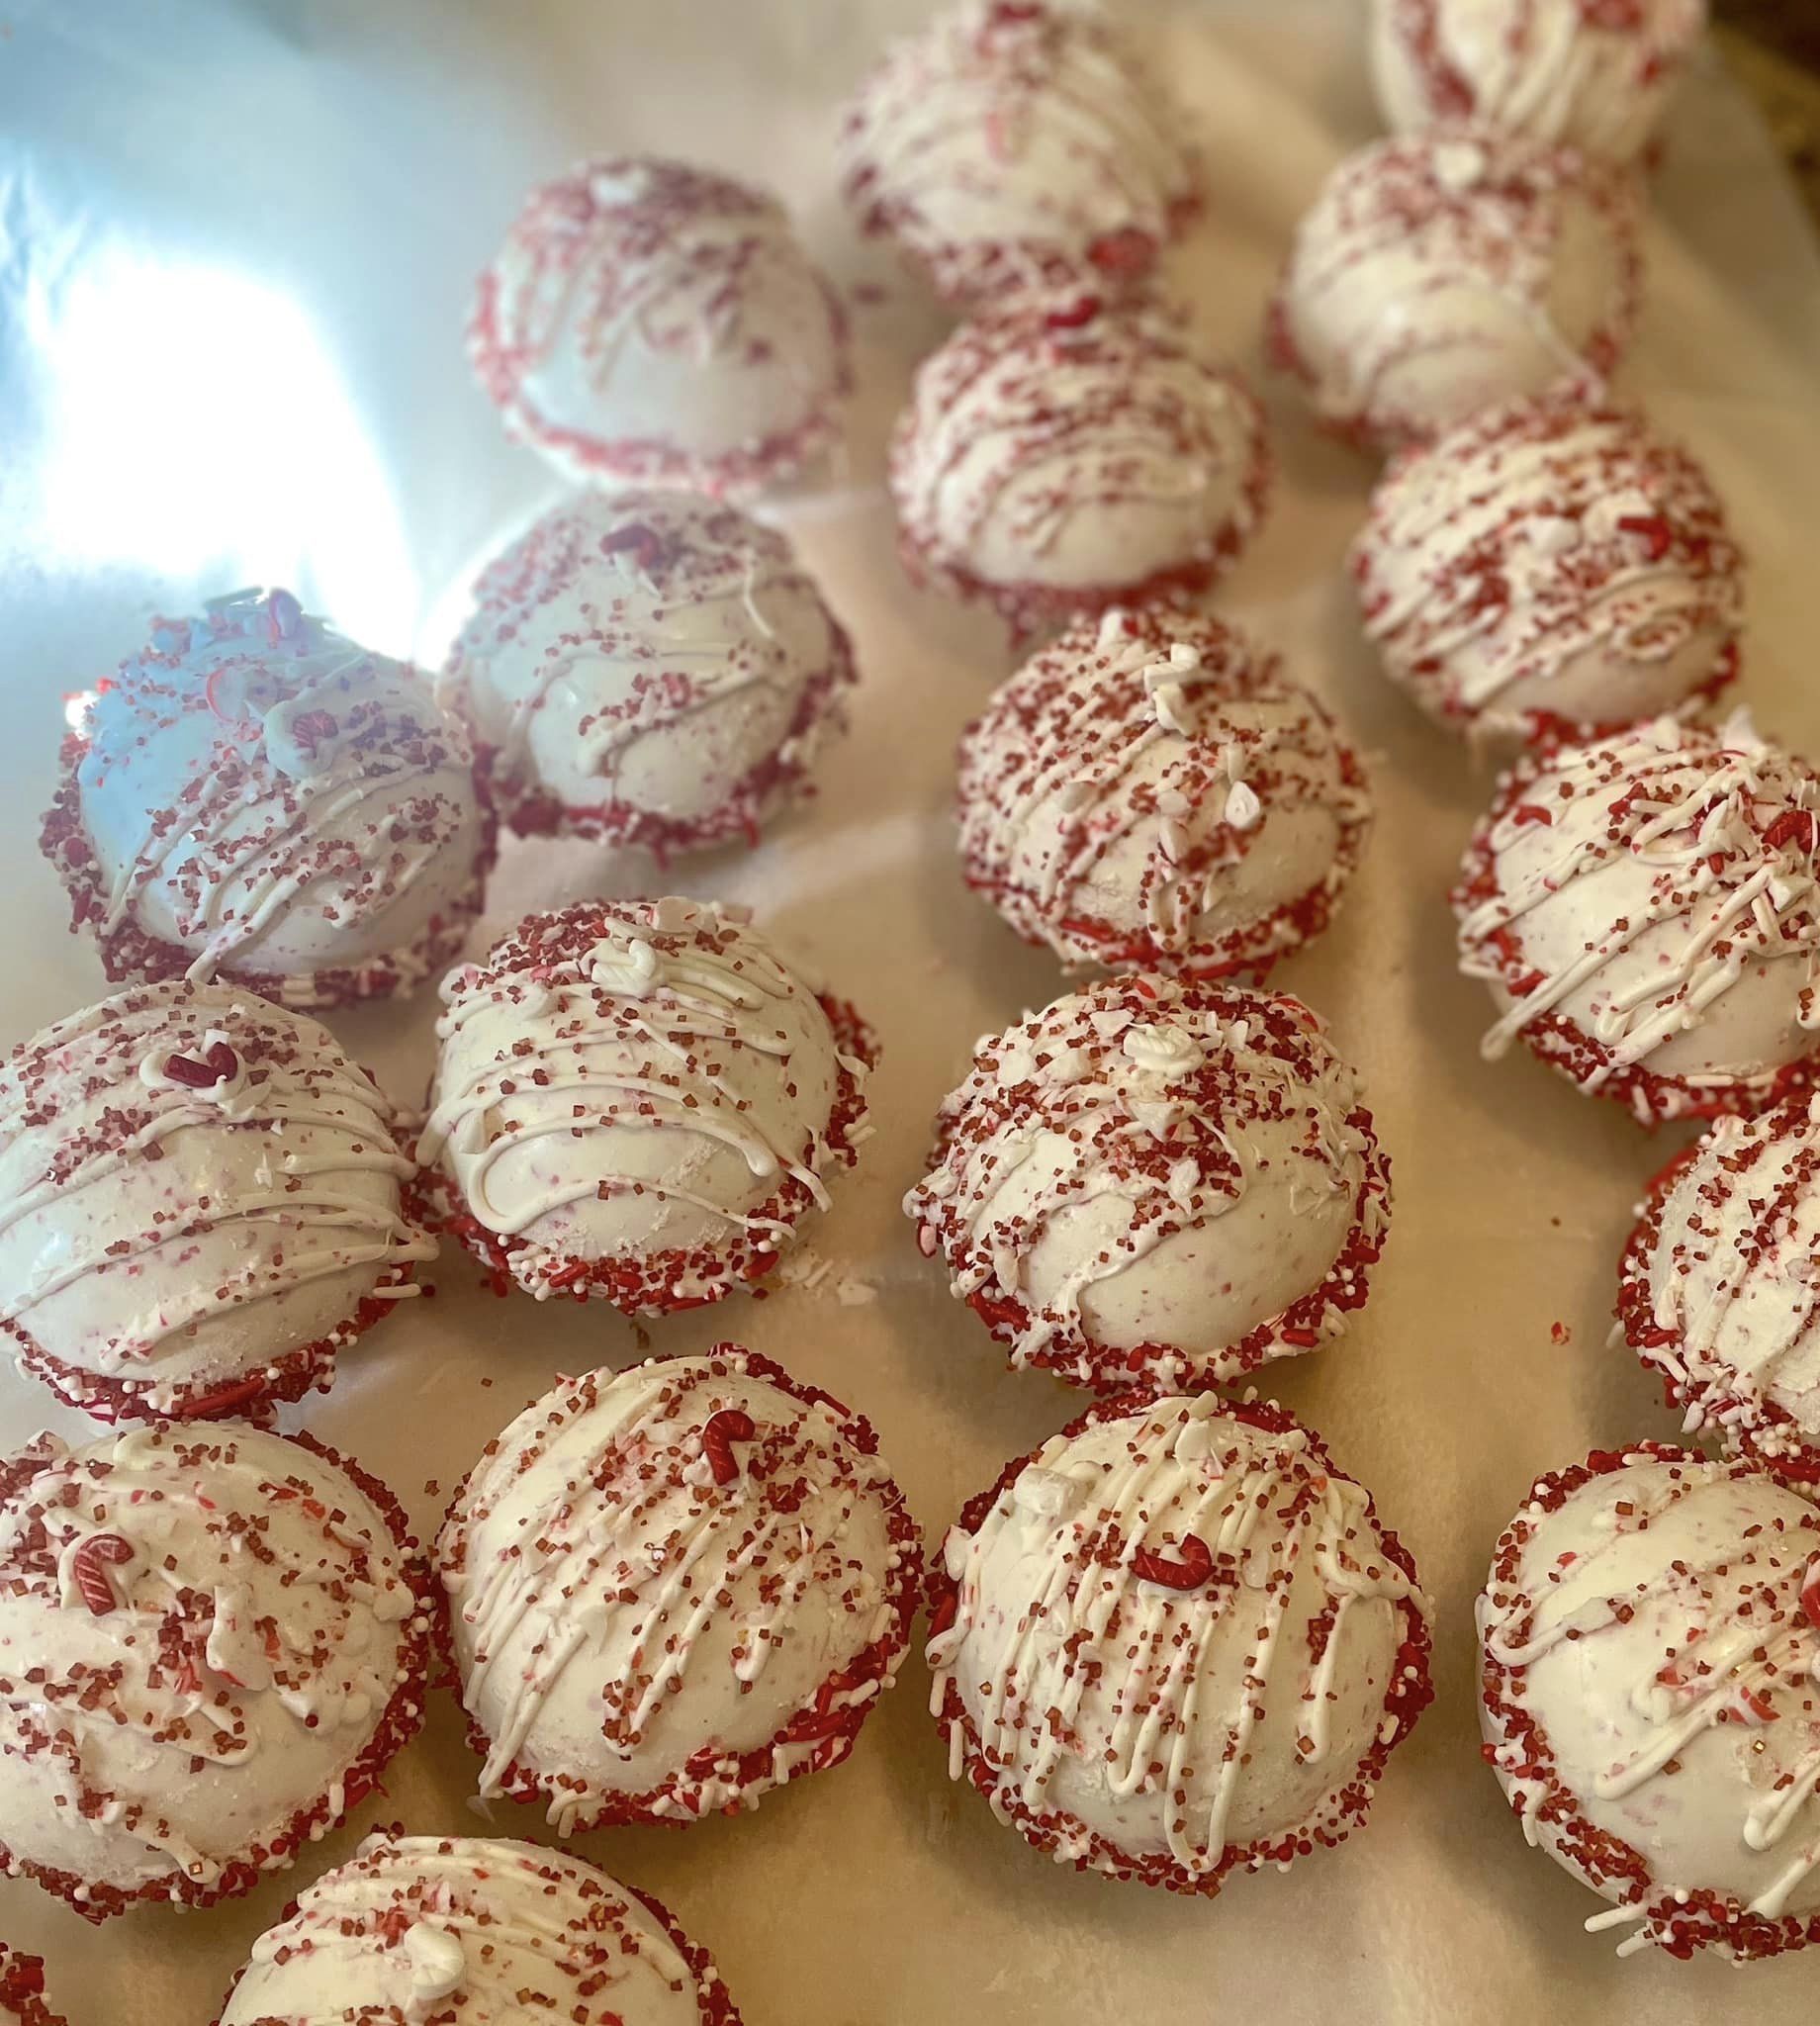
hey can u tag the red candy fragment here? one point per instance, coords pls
(311, 728)
(216, 1067)
(1792, 826)
(638, 539)
(1193, 1569)
(89, 1566)
(731, 1425)
(1130, 250)
(1074, 315)
(1655, 532)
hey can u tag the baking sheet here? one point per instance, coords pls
(235, 248)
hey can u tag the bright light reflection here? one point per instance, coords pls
(199, 429)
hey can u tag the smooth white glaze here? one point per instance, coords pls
(1549, 557)
(255, 1622)
(630, 1627)
(650, 322)
(1173, 1723)
(1150, 789)
(648, 668)
(176, 1239)
(1600, 77)
(462, 1929)
(1009, 146)
(278, 804)
(1437, 273)
(1652, 1630)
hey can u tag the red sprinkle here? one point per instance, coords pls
(1530, 813)
(1189, 1573)
(731, 1425)
(1810, 1592)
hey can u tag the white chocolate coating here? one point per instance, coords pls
(257, 798)
(1550, 561)
(1719, 1289)
(1595, 76)
(1157, 1176)
(650, 322)
(202, 1633)
(160, 1240)
(1643, 911)
(638, 1100)
(1012, 146)
(1650, 1647)
(1142, 1722)
(1151, 790)
(1061, 452)
(648, 668)
(637, 1639)
(474, 1932)
(1441, 272)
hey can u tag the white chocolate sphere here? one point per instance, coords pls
(1442, 272)
(1643, 909)
(649, 669)
(462, 1928)
(1150, 791)
(1011, 146)
(1717, 1288)
(1598, 74)
(210, 1644)
(199, 1203)
(1061, 453)
(673, 1589)
(1175, 1642)
(1550, 564)
(638, 1101)
(1650, 1700)
(257, 799)
(646, 322)
(1156, 1178)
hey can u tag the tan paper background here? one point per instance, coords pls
(235, 244)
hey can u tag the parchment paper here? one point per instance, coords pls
(235, 248)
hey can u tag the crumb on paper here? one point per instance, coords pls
(815, 1273)
(1559, 1332)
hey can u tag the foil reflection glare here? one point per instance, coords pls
(199, 429)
